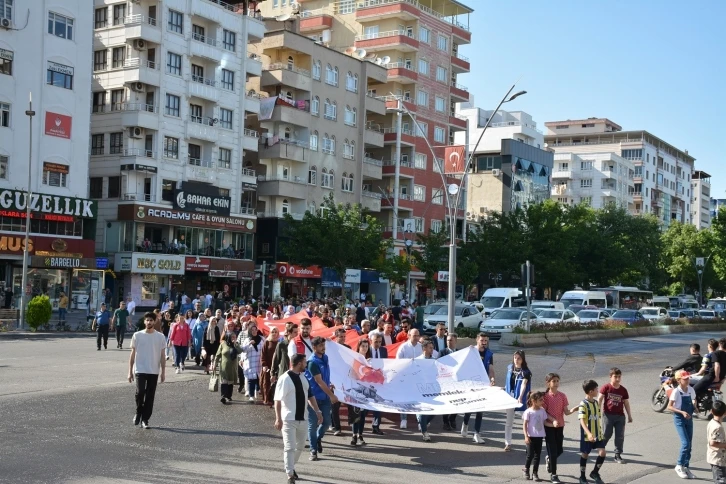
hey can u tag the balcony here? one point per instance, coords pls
(202, 128)
(392, 39)
(254, 65)
(314, 20)
(406, 169)
(562, 174)
(457, 122)
(371, 201)
(139, 157)
(372, 169)
(141, 27)
(278, 186)
(137, 70)
(459, 63)
(138, 114)
(200, 170)
(229, 16)
(375, 105)
(404, 202)
(206, 47)
(401, 72)
(374, 10)
(407, 136)
(392, 102)
(285, 112)
(461, 33)
(249, 177)
(203, 88)
(252, 102)
(284, 75)
(459, 92)
(373, 136)
(292, 150)
(280, 214)
(250, 140)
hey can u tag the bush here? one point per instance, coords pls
(39, 312)
(467, 332)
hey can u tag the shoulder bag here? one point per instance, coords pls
(214, 379)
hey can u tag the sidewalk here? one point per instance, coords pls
(76, 325)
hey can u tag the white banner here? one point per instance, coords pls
(452, 384)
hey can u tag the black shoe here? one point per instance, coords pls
(549, 467)
(535, 477)
(377, 431)
(582, 480)
(618, 459)
(137, 419)
(294, 473)
(595, 476)
(452, 424)
(240, 390)
(554, 479)
(447, 426)
(313, 456)
(360, 439)
(320, 446)
(105, 347)
(98, 349)
(354, 440)
(525, 474)
(223, 400)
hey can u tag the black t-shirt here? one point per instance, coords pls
(691, 364)
(719, 356)
(396, 310)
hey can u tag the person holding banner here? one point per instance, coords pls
(451, 339)
(427, 347)
(518, 384)
(487, 359)
(409, 349)
(318, 374)
(302, 344)
(357, 416)
(377, 352)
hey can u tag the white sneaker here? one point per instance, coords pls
(681, 473)
(178, 371)
(477, 438)
(404, 424)
(426, 437)
(689, 473)
(464, 430)
(252, 400)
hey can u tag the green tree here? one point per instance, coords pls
(497, 244)
(340, 237)
(39, 312)
(467, 268)
(431, 254)
(395, 268)
(682, 243)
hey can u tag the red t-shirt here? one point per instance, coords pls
(614, 398)
(402, 336)
(555, 406)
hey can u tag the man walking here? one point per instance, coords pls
(487, 359)
(131, 308)
(427, 348)
(62, 309)
(100, 324)
(377, 352)
(291, 413)
(119, 321)
(409, 349)
(302, 344)
(318, 375)
(145, 364)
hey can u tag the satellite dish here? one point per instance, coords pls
(350, 50)
(379, 61)
(371, 56)
(386, 59)
(360, 53)
(283, 17)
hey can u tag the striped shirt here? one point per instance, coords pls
(590, 412)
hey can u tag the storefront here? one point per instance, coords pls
(360, 284)
(204, 275)
(297, 281)
(142, 276)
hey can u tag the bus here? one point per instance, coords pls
(622, 297)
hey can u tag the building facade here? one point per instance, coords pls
(701, 199)
(661, 179)
(716, 204)
(44, 52)
(170, 160)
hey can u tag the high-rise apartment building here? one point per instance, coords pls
(170, 152)
(44, 51)
(701, 199)
(661, 173)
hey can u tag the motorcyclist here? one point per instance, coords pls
(693, 363)
(717, 371)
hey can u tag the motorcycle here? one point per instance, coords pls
(704, 403)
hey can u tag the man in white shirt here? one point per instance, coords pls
(378, 330)
(146, 362)
(409, 349)
(131, 308)
(303, 340)
(427, 348)
(292, 396)
(388, 337)
(377, 352)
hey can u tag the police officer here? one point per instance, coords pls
(101, 324)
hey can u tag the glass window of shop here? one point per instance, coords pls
(15, 224)
(530, 183)
(42, 281)
(150, 288)
(213, 243)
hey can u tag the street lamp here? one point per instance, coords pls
(453, 191)
(701, 264)
(23, 303)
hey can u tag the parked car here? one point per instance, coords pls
(465, 316)
(676, 314)
(630, 316)
(504, 321)
(707, 314)
(592, 315)
(690, 313)
(538, 311)
(551, 316)
(576, 308)
(654, 313)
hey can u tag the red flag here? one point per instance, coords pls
(454, 159)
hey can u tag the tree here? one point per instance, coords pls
(339, 237)
(682, 243)
(432, 254)
(467, 268)
(39, 312)
(497, 244)
(396, 269)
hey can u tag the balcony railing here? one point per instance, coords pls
(251, 133)
(149, 108)
(200, 162)
(280, 214)
(289, 178)
(392, 129)
(406, 164)
(372, 161)
(204, 39)
(370, 194)
(380, 35)
(139, 19)
(139, 152)
(459, 86)
(286, 67)
(247, 210)
(247, 172)
(460, 56)
(398, 65)
(204, 80)
(137, 62)
(144, 197)
(205, 120)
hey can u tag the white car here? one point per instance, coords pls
(592, 315)
(465, 316)
(654, 313)
(504, 321)
(707, 314)
(551, 316)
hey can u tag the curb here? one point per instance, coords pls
(29, 335)
(546, 339)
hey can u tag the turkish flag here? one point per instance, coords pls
(454, 159)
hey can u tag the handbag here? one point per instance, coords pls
(214, 380)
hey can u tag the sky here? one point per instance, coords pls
(658, 66)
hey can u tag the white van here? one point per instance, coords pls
(662, 302)
(584, 298)
(547, 305)
(501, 297)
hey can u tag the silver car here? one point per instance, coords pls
(592, 315)
(504, 321)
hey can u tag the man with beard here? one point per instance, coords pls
(318, 374)
(145, 364)
(303, 343)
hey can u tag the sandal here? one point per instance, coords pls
(507, 448)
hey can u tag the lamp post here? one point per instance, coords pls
(23, 303)
(453, 195)
(701, 264)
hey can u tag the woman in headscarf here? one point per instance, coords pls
(212, 337)
(268, 352)
(357, 416)
(226, 362)
(281, 360)
(166, 323)
(252, 349)
(199, 328)
(191, 321)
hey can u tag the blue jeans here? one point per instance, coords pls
(376, 419)
(424, 420)
(477, 421)
(315, 431)
(361, 423)
(62, 314)
(179, 354)
(684, 427)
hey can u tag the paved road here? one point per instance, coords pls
(65, 416)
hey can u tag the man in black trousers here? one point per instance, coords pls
(146, 362)
(378, 351)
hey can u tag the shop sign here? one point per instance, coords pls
(287, 270)
(13, 245)
(157, 264)
(60, 68)
(141, 213)
(15, 200)
(6, 54)
(197, 264)
(352, 276)
(58, 125)
(246, 275)
(442, 276)
(101, 262)
(227, 274)
(251, 187)
(201, 198)
(138, 167)
(122, 263)
(62, 262)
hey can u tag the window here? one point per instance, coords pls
(314, 141)
(225, 158)
(418, 224)
(586, 183)
(313, 175)
(3, 166)
(117, 99)
(419, 193)
(55, 175)
(117, 143)
(167, 190)
(229, 40)
(225, 118)
(95, 188)
(6, 60)
(351, 82)
(439, 134)
(327, 179)
(194, 153)
(351, 116)
(315, 106)
(118, 56)
(331, 110)
(423, 67)
(436, 226)
(317, 70)
(586, 165)
(227, 80)
(331, 75)
(171, 147)
(424, 34)
(437, 196)
(422, 98)
(440, 104)
(119, 14)
(328, 144)
(419, 161)
(564, 167)
(99, 60)
(349, 150)
(586, 200)
(176, 22)
(4, 115)
(172, 105)
(114, 187)
(101, 17)
(60, 26)
(59, 75)
(422, 129)
(347, 184)
(97, 144)
(173, 63)
(443, 43)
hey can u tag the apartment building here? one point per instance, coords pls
(701, 199)
(661, 178)
(170, 156)
(44, 52)
(716, 204)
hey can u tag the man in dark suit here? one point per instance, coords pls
(377, 352)
(439, 339)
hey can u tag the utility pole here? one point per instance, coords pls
(23, 294)
(397, 167)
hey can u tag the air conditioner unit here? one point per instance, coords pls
(5, 23)
(140, 44)
(138, 86)
(130, 196)
(496, 172)
(136, 132)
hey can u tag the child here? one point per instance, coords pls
(682, 403)
(556, 405)
(591, 436)
(716, 451)
(534, 431)
(614, 401)
(518, 385)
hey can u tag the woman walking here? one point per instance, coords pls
(268, 353)
(682, 403)
(357, 416)
(281, 360)
(212, 338)
(252, 349)
(198, 331)
(180, 336)
(518, 385)
(166, 323)
(226, 361)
